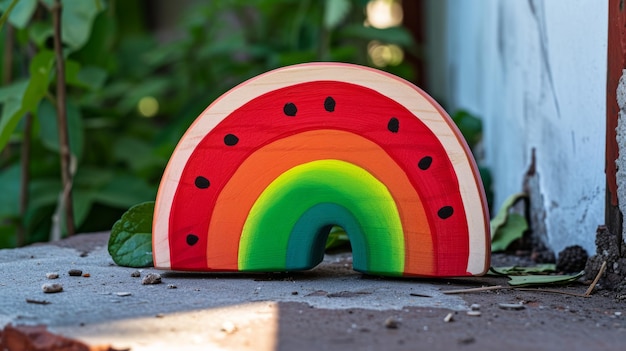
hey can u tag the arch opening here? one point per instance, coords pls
(307, 242)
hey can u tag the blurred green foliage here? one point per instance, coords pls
(471, 127)
(113, 61)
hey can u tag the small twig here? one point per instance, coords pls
(25, 179)
(551, 291)
(500, 287)
(596, 279)
(471, 290)
(419, 295)
(64, 144)
(38, 302)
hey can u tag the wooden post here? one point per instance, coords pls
(64, 144)
(616, 63)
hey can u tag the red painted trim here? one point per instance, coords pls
(616, 63)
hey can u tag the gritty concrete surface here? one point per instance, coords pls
(330, 307)
(620, 176)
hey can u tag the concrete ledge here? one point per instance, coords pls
(330, 307)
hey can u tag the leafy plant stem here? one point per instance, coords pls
(7, 65)
(66, 175)
(25, 179)
(5, 15)
(7, 60)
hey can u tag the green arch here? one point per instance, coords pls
(286, 219)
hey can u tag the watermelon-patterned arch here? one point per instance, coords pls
(416, 135)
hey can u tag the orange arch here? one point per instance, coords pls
(261, 168)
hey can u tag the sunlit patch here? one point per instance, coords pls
(383, 55)
(384, 13)
(200, 329)
(148, 106)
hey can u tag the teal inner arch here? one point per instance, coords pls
(307, 241)
(287, 226)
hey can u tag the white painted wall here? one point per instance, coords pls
(535, 71)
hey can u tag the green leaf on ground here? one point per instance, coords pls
(518, 270)
(130, 244)
(535, 280)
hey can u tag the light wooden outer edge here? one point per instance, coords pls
(405, 93)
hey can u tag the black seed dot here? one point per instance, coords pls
(202, 183)
(290, 109)
(425, 163)
(192, 239)
(393, 125)
(329, 104)
(445, 212)
(231, 139)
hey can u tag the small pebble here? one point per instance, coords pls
(135, 274)
(52, 288)
(474, 313)
(75, 272)
(151, 278)
(449, 317)
(159, 315)
(171, 286)
(228, 327)
(618, 313)
(475, 307)
(52, 275)
(86, 275)
(294, 293)
(124, 293)
(391, 323)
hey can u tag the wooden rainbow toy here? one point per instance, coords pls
(261, 176)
